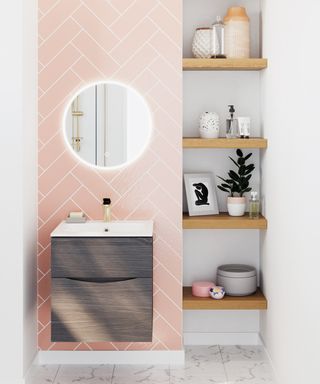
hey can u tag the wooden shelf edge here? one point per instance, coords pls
(198, 142)
(256, 301)
(223, 221)
(251, 64)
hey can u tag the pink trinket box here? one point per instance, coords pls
(202, 288)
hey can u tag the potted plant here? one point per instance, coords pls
(238, 184)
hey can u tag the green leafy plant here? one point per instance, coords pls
(238, 182)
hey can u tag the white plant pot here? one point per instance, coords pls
(236, 206)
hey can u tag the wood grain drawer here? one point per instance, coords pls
(101, 257)
(101, 310)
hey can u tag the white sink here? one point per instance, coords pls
(141, 228)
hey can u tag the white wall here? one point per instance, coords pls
(213, 91)
(290, 248)
(18, 188)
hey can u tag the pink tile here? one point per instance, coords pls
(139, 347)
(161, 172)
(57, 41)
(58, 66)
(170, 208)
(168, 75)
(144, 82)
(57, 15)
(95, 28)
(87, 71)
(45, 5)
(63, 346)
(106, 13)
(51, 151)
(166, 48)
(48, 227)
(169, 285)
(132, 17)
(121, 5)
(83, 347)
(167, 335)
(174, 7)
(61, 90)
(167, 101)
(102, 346)
(129, 175)
(44, 286)
(169, 128)
(44, 338)
(136, 39)
(168, 258)
(167, 23)
(168, 310)
(44, 260)
(58, 196)
(136, 64)
(44, 312)
(96, 184)
(51, 125)
(52, 176)
(168, 232)
(95, 54)
(88, 204)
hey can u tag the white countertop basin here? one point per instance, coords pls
(139, 228)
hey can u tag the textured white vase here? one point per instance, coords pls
(237, 33)
(201, 44)
(236, 206)
(209, 125)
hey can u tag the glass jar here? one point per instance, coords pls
(217, 48)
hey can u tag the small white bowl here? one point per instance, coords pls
(217, 293)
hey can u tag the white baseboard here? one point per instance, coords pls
(276, 377)
(110, 357)
(197, 338)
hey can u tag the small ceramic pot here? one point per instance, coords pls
(236, 206)
(217, 293)
(201, 288)
(201, 44)
(209, 125)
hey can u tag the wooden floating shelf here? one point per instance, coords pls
(256, 301)
(197, 142)
(223, 221)
(190, 64)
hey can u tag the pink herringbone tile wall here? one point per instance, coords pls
(137, 42)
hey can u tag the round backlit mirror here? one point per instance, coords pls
(108, 124)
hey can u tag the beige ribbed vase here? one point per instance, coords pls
(237, 33)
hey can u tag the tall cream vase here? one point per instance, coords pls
(237, 33)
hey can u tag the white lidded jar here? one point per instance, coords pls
(237, 33)
(209, 125)
(237, 279)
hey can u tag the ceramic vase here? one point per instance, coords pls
(236, 206)
(237, 33)
(209, 125)
(201, 45)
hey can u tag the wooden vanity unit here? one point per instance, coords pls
(102, 289)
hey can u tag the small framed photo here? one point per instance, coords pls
(201, 194)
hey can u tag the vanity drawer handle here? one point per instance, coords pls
(98, 280)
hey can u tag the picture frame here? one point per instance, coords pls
(201, 194)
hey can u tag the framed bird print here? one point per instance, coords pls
(201, 194)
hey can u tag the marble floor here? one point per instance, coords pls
(204, 365)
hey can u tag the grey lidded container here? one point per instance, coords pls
(237, 279)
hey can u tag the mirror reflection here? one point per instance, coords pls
(108, 124)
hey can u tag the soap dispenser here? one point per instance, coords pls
(107, 209)
(254, 206)
(232, 124)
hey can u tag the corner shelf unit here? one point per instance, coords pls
(197, 142)
(223, 221)
(257, 301)
(252, 64)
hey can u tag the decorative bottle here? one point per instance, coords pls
(217, 41)
(106, 210)
(237, 33)
(254, 206)
(232, 124)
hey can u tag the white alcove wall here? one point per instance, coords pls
(205, 250)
